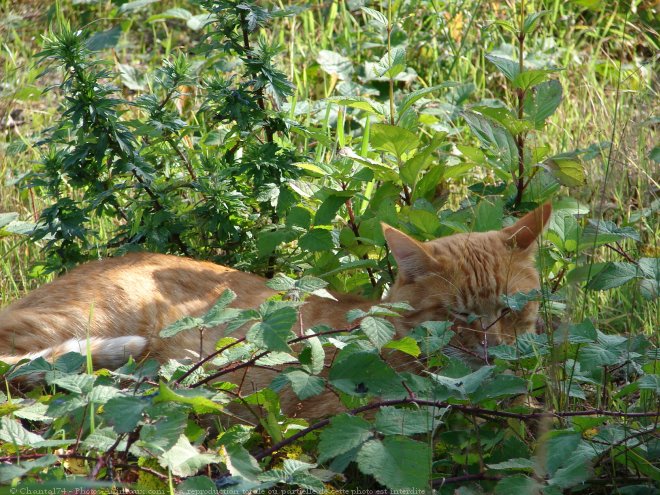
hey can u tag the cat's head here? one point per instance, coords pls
(462, 277)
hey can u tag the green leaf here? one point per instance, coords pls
(594, 356)
(198, 21)
(650, 284)
(104, 39)
(274, 331)
(582, 333)
(407, 345)
(532, 21)
(312, 357)
(134, 6)
(392, 63)
(601, 232)
(404, 421)
(506, 66)
(162, 434)
(71, 362)
(218, 314)
(316, 240)
(654, 154)
(294, 472)
(425, 221)
(558, 447)
(569, 171)
(359, 102)
(357, 373)
(411, 169)
(185, 460)
(131, 77)
(499, 386)
(379, 17)
(504, 116)
(240, 463)
(194, 397)
(541, 102)
(303, 384)
(344, 433)
(78, 384)
(185, 323)
(514, 464)
(124, 413)
(397, 462)
(495, 137)
(101, 394)
(518, 485)
(378, 330)
(613, 275)
(335, 64)
(13, 433)
(489, 215)
(517, 302)
(650, 382)
(20, 469)
(575, 473)
(7, 218)
(432, 335)
(529, 78)
(410, 98)
(393, 139)
(506, 25)
(173, 13)
(326, 213)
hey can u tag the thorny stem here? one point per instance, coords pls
(476, 411)
(255, 358)
(207, 359)
(619, 249)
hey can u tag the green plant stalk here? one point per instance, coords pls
(389, 59)
(520, 92)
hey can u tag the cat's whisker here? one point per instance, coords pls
(451, 284)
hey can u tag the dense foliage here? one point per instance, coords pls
(218, 155)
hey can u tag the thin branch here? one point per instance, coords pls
(255, 358)
(440, 482)
(476, 411)
(206, 360)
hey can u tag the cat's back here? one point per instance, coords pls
(129, 275)
(135, 294)
(131, 278)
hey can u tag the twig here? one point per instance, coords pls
(440, 482)
(255, 358)
(15, 458)
(206, 360)
(619, 250)
(476, 411)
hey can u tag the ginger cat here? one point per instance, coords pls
(124, 302)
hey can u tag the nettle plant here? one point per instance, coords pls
(155, 171)
(233, 184)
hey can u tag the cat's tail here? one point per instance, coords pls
(108, 353)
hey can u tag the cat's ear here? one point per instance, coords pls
(524, 232)
(410, 255)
